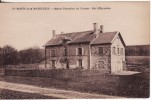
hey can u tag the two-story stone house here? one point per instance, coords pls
(92, 49)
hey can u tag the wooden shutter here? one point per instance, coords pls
(82, 51)
(76, 51)
(77, 63)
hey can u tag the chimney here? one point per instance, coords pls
(62, 32)
(54, 33)
(95, 27)
(101, 28)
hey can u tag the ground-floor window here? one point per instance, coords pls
(53, 64)
(80, 62)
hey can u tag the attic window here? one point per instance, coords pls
(118, 40)
(100, 50)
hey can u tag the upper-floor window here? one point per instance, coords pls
(79, 51)
(100, 50)
(118, 50)
(114, 51)
(52, 53)
(122, 51)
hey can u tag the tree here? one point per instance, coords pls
(31, 55)
(10, 55)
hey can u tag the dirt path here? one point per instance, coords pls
(51, 92)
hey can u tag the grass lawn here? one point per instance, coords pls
(9, 94)
(136, 86)
(138, 60)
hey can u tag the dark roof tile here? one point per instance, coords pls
(104, 38)
(83, 37)
(76, 37)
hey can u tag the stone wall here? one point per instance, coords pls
(100, 61)
(71, 56)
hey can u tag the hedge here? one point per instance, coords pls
(52, 73)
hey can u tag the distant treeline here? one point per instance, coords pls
(10, 56)
(137, 50)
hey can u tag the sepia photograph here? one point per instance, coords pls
(75, 50)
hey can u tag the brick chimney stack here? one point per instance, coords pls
(95, 25)
(62, 32)
(54, 33)
(101, 28)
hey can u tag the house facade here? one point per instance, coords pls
(92, 49)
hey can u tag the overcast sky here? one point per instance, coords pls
(27, 28)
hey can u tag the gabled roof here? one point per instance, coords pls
(104, 38)
(107, 38)
(85, 37)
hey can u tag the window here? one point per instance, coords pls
(52, 53)
(53, 63)
(122, 51)
(79, 51)
(100, 50)
(114, 50)
(80, 62)
(118, 51)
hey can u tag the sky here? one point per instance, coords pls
(26, 28)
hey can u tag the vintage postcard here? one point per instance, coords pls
(74, 50)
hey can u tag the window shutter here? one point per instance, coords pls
(82, 51)
(76, 51)
(77, 63)
(50, 64)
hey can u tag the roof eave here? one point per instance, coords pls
(101, 44)
(71, 43)
(118, 33)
